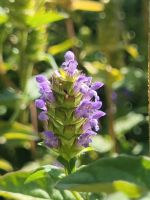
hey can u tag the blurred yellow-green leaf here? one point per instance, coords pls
(127, 122)
(87, 5)
(58, 48)
(3, 16)
(107, 73)
(132, 50)
(5, 165)
(16, 131)
(43, 18)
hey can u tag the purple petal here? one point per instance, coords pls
(43, 116)
(41, 78)
(39, 103)
(50, 139)
(69, 55)
(44, 87)
(85, 138)
(97, 105)
(98, 114)
(97, 85)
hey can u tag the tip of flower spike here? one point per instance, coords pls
(40, 78)
(69, 55)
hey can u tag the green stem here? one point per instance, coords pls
(23, 71)
(149, 74)
(111, 118)
(77, 195)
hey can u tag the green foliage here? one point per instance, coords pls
(42, 18)
(109, 46)
(127, 174)
(23, 185)
(124, 124)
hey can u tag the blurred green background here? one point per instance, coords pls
(109, 38)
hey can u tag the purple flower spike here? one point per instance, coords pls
(43, 116)
(41, 78)
(85, 138)
(97, 85)
(50, 139)
(40, 104)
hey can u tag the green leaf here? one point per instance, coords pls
(43, 172)
(16, 131)
(5, 165)
(126, 174)
(127, 122)
(87, 5)
(8, 96)
(3, 16)
(101, 144)
(13, 186)
(17, 127)
(58, 48)
(43, 18)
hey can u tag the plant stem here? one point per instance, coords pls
(77, 195)
(71, 32)
(149, 72)
(111, 117)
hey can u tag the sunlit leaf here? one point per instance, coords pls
(44, 171)
(127, 122)
(8, 96)
(17, 127)
(13, 186)
(16, 131)
(18, 136)
(132, 50)
(42, 18)
(101, 144)
(106, 72)
(126, 174)
(87, 5)
(5, 165)
(3, 16)
(61, 47)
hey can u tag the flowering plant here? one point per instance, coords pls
(70, 107)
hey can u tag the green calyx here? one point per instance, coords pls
(63, 122)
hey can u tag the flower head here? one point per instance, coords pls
(71, 106)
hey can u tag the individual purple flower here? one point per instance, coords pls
(96, 85)
(85, 138)
(69, 55)
(39, 103)
(45, 88)
(87, 108)
(81, 82)
(91, 124)
(50, 139)
(84, 109)
(43, 116)
(70, 64)
(41, 78)
(98, 114)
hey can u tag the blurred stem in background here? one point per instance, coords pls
(149, 70)
(109, 34)
(110, 115)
